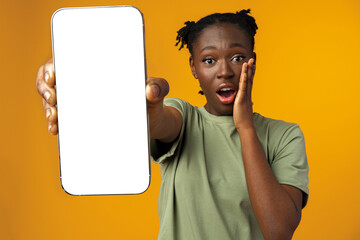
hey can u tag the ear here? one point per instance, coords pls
(192, 66)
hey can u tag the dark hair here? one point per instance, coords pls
(188, 34)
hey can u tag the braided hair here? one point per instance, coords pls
(188, 34)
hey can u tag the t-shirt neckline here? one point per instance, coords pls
(214, 118)
(218, 119)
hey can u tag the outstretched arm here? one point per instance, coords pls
(165, 122)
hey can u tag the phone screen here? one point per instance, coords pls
(100, 71)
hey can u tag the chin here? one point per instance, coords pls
(225, 109)
(219, 109)
(228, 110)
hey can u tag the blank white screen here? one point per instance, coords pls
(100, 81)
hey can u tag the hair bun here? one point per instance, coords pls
(243, 12)
(183, 34)
(190, 24)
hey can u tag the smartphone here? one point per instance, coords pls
(100, 71)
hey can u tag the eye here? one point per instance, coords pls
(208, 60)
(238, 58)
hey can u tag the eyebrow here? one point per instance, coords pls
(207, 47)
(231, 46)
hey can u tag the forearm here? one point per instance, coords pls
(274, 209)
(165, 123)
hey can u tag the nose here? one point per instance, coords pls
(225, 70)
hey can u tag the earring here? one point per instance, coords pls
(195, 76)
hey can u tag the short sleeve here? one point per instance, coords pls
(290, 165)
(164, 151)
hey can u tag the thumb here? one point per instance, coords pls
(156, 89)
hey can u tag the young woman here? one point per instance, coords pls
(227, 172)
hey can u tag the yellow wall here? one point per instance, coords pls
(308, 71)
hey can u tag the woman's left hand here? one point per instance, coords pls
(243, 111)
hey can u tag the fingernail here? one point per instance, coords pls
(48, 112)
(47, 96)
(47, 76)
(156, 91)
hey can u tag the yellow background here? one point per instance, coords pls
(308, 71)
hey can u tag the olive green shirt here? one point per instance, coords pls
(203, 193)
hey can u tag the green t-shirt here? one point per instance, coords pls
(203, 193)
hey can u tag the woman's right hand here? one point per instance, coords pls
(156, 90)
(45, 82)
(165, 123)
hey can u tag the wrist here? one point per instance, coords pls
(246, 128)
(156, 116)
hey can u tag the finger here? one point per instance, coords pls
(50, 114)
(41, 86)
(243, 80)
(250, 77)
(251, 69)
(49, 75)
(43, 89)
(156, 89)
(51, 118)
(40, 80)
(53, 128)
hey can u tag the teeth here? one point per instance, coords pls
(225, 89)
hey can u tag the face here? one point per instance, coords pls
(218, 55)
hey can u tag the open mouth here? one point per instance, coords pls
(226, 95)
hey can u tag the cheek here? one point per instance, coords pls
(206, 79)
(206, 74)
(237, 71)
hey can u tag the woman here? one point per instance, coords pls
(227, 172)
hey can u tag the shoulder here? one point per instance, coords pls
(170, 101)
(181, 105)
(275, 128)
(279, 136)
